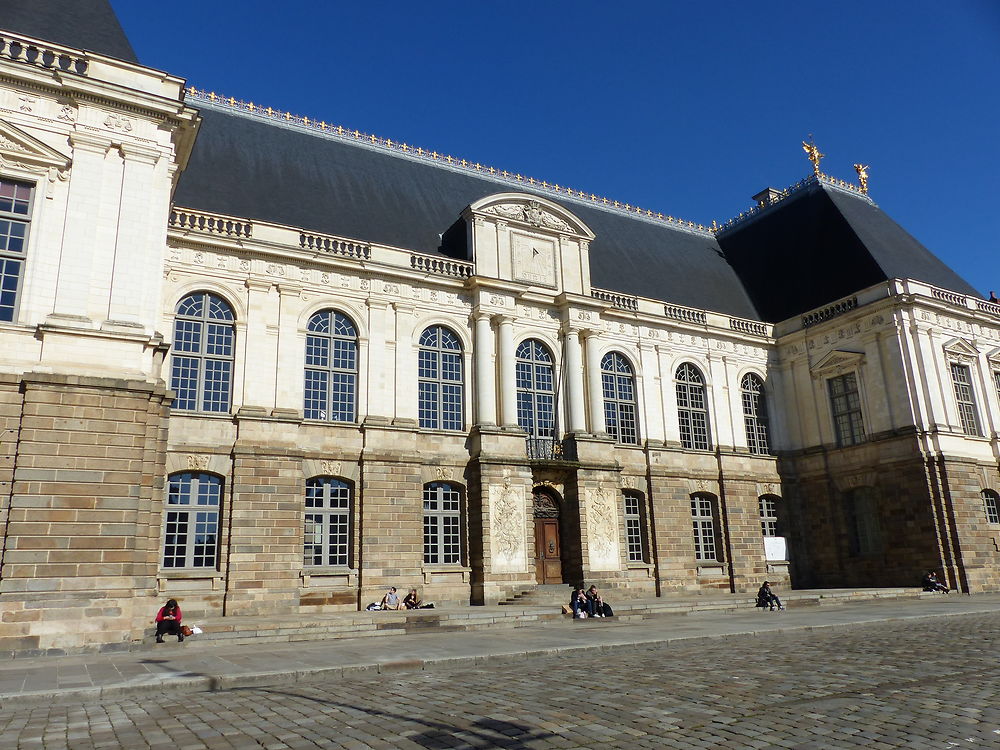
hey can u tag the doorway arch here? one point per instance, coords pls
(546, 508)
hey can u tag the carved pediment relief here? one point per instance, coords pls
(532, 211)
(21, 150)
(960, 350)
(994, 357)
(836, 363)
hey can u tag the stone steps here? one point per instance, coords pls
(314, 627)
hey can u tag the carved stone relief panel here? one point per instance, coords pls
(602, 530)
(507, 527)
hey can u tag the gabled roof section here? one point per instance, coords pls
(82, 24)
(250, 166)
(822, 244)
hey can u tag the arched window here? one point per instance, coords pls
(15, 213)
(536, 396)
(692, 408)
(204, 346)
(442, 524)
(440, 380)
(754, 413)
(192, 521)
(327, 530)
(991, 503)
(619, 398)
(331, 391)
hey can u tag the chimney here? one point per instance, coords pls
(767, 196)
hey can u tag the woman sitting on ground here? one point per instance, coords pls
(168, 621)
(580, 605)
(411, 600)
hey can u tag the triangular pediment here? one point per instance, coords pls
(18, 148)
(994, 356)
(837, 362)
(961, 349)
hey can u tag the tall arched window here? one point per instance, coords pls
(619, 398)
(331, 367)
(692, 408)
(442, 524)
(204, 346)
(440, 380)
(191, 538)
(327, 529)
(754, 413)
(536, 397)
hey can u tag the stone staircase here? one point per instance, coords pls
(539, 605)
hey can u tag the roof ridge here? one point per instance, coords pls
(400, 148)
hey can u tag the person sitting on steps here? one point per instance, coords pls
(931, 583)
(580, 605)
(767, 598)
(391, 599)
(168, 621)
(598, 607)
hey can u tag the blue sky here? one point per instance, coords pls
(688, 108)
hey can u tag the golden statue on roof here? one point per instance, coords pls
(812, 151)
(862, 170)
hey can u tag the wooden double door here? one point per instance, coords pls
(548, 552)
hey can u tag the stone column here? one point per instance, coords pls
(595, 390)
(508, 385)
(486, 402)
(576, 411)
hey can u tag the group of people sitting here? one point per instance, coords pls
(391, 600)
(589, 603)
(931, 582)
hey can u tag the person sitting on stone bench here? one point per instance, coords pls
(767, 598)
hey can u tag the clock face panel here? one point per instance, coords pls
(534, 259)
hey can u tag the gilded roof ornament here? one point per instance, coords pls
(812, 153)
(862, 170)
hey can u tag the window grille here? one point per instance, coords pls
(203, 354)
(442, 524)
(535, 380)
(965, 398)
(192, 521)
(991, 503)
(15, 212)
(768, 515)
(692, 408)
(331, 373)
(703, 523)
(845, 401)
(440, 380)
(327, 538)
(634, 536)
(754, 414)
(619, 398)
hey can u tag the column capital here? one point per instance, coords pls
(504, 319)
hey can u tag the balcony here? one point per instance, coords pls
(550, 449)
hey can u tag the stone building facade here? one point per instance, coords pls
(447, 377)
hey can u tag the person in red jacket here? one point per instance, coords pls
(168, 620)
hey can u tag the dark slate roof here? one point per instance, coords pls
(83, 24)
(244, 166)
(822, 244)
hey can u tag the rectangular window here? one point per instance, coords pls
(703, 524)
(845, 401)
(192, 521)
(990, 503)
(633, 527)
(768, 516)
(864, 526)
(327, 523)
(965, 398)
(15, 210)
(442, 525)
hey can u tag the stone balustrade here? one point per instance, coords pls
(621, 301)
(686, 314)
(830, 311)
(753, 327)
(50, 56)
(330, 245)
(441, 266)
(198, 221)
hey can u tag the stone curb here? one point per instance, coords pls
(284, 678)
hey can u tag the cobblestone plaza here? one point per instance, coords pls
(916, 683)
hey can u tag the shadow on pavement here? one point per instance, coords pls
(483, 732)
